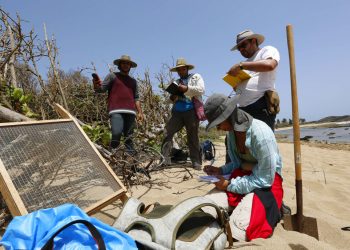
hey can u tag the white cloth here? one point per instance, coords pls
(195, 86)
(254, 88)
(240, 217)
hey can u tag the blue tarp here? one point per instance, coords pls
(32, 231)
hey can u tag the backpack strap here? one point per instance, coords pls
(130, 214)
(167, 226)
(213, 147)
(93, 230)
(179, 213)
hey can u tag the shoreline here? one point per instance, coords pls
(320, 144)
(317, 125)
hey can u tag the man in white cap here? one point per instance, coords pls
(261, 64)
(254, 190)
(183, 112)
(123, 101)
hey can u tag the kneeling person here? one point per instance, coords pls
(254, 192)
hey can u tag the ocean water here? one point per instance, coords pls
(330, 135)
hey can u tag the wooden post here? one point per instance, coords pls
(296, 128)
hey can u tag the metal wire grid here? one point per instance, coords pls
(52, 164)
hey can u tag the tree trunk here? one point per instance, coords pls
(13, 54)
(7, 115)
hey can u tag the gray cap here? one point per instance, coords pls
(218, 108)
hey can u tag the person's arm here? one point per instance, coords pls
(195, 86)
(106, 84)
(235, 162)
(264, 149)
(265, 65)
(139, 113)
(268, 61)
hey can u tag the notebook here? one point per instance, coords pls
(235, 80)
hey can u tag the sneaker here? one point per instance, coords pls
(197, 166)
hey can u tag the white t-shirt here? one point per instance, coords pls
(254, 88)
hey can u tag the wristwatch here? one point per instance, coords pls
(241, 66)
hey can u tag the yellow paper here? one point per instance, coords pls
(235, 80)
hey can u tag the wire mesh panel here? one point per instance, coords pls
(53, 163)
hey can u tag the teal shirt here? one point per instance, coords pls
(261, 142)
(184, 103)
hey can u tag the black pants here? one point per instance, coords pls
(259, 111)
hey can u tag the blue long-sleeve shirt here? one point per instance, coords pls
(261, 142)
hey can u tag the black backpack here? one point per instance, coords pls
(207, 150)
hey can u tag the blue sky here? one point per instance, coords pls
(154, 32)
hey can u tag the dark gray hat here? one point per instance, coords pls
(241, 120)
(218, 108)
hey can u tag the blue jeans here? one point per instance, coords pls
(122, 123)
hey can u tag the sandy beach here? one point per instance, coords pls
(326, 196)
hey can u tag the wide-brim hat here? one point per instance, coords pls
(125, 58)
(181, 62)
(245, 35)
(218, 108)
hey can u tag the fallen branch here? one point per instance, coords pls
(9, 115)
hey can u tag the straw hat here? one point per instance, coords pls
(245, 35)
(125, 58)
(181, 62)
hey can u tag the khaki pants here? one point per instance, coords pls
(178, 120)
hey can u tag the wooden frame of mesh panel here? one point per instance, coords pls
(16, 201)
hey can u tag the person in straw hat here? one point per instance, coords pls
(183, 112)
(123, 101)
(253, 192)
(261, 64)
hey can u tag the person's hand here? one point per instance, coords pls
(140, 117)
(174, 98)
(183, 88)
(97, 83)
(234, 70)
(222, 184)
(211, 170)
(247, 166)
